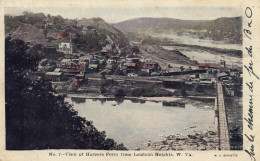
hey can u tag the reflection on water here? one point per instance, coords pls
(135, 123)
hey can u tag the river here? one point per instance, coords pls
(136, 123)
(189, 40)
(204, 56)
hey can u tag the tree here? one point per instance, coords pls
(115, 69)
(135, 49)
(119, 93)
(89, 43)
(38, 118)
(103, 83)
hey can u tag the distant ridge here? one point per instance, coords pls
(224, 28)
(144, 23)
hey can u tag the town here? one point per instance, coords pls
(189, 94)
(77, 70)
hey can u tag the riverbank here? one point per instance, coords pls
(197, 141)
(213, 50)
(200, 102)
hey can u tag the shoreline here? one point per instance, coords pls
(159, 99)
(197, 141)
(197, 101)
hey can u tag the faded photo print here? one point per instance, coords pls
(144, 78)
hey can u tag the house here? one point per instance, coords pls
(62, 35)
(133, 63)
(81, 77)
(71, 65)
(65, 47)
(205, 79)
(155, 74)
(208, 65)
(93, 68)
(223, 76)
(54, 76)
(146, 71)
(132, 75)
(145, 60)
(64, 62)
(86, 58)
(151, 65)
(132, 60)
(83, 66)
(57, 70)
(131, 67)
(223, 63)
(79, 80)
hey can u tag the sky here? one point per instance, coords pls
(116, 14)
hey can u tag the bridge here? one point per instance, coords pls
(221, 120)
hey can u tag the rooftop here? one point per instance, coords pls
(53, 73)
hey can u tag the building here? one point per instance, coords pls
(205, 79)
(145, 60)
(151, 65)
(86, 58)
(64, 62)
(62, 35)
(131, 67)
(223, 63)
(132, 75)
(71, 65)
(93, 68)
(79, 80)
(223, 76)
(208, 65)
(54, 76)
(66, 47)
(133, 64)
(83, 66)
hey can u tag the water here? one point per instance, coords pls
(187, 39)
(136, 123)
(203, 56)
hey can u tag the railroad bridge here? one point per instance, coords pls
(221, 119)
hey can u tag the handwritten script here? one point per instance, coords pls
(253, 76)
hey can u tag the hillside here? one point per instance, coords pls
(222, 28)
(228, 29)
(144, 24)
(103, 27)
(37, 28)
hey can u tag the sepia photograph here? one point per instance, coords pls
(144, 78)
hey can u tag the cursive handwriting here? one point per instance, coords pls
(250, 69)
(250, 120)
(251, 153)
(251, 72)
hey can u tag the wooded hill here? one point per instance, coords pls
(229, 29)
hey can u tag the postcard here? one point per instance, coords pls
(129, 80)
